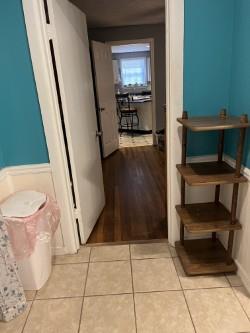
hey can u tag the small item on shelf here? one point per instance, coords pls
(208, 256)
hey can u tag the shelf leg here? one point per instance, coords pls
(183, 194)
(183, 162)
(220, 157)
(236, 190)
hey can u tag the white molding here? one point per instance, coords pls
(43, 71)
(174, 107)
(25, 169)
(202, 158)
(245, 278)
(232, 162)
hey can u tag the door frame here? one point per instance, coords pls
(37, 32)
(152, 64)
(174, 108)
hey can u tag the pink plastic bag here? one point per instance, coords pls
(24, 232)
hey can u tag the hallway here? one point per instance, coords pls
(134, 183)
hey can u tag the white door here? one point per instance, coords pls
(71, 47)
(105, 89)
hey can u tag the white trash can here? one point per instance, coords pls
(32, 219)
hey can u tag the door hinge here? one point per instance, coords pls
(76, 213)
(49, 31)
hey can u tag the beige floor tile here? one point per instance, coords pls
(199, 282)
(173, 251)
(216, 311)
(109, 278)
(65, 281)
(17, 324)
(81, 256)
(52, 316)
(109, 253)
(155, 275)
(244, 298)
(234, 280)
(108, 314)
(30, 294)
(151, 250)
(162, 312)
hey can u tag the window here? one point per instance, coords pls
(134, 71)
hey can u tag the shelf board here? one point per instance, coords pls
(204, 256)
(201, 124)
(206, 217)
(209, 173)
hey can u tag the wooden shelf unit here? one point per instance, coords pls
(208, 255)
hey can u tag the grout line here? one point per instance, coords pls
(150, 258)
(183, 293)
(53, 298)
(84, 290)
(189, 310)
(70, 263)
(248, 317)
(32, 301)
(128, 259)
(132, 242)
(132, 280)
(103, 295)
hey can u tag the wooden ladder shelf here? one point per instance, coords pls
(208, 255)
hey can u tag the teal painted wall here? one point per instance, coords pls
(207, 63)
(22, 139)
(240, 74)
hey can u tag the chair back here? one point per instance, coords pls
(123, 101)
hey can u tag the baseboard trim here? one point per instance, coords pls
(232, 162)
(24, 169)
(243, 275)
(203, 158)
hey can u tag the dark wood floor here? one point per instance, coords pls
(134, 182)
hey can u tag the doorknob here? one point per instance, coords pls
(101, 109)
(98, 133)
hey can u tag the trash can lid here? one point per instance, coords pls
(22, 204)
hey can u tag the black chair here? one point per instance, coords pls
(128, 115)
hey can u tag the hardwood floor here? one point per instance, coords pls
(134, 182)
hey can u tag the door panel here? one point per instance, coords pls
(71, 47)
(104, 79)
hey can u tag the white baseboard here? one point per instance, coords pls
(36, 177)
(245, 278)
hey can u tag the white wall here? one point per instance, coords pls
(241, 251)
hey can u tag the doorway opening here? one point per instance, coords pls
(134, 176)
(134, 171)
(132, 83)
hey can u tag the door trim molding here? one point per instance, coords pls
(38, 32)
(152, 59)
(174, 107)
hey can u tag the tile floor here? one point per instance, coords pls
(132, 288)
(138, 140)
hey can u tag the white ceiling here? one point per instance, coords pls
(130, 48)
(114, 13)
